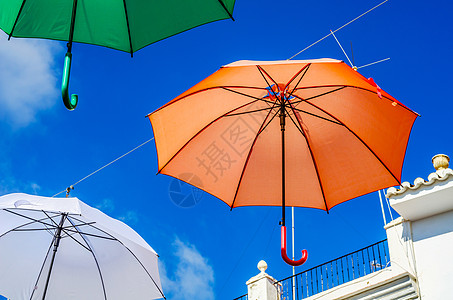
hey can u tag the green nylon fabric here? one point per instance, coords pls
(103, 22)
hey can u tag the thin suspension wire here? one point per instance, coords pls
(376, 62)
(270, 240)
(245, 248)
(337, 29)
(352, 62)
(113, 161)
(352, 65)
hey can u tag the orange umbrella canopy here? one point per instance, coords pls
(343, 135)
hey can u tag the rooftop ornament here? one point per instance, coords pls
(440, 162)
(262, 266)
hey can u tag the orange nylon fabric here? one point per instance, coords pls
(344, 136)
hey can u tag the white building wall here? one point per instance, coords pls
(401, 247)
(426, 210)
(433, 248)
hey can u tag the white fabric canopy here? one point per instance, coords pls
(97, 257)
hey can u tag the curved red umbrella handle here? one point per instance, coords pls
(286, 258)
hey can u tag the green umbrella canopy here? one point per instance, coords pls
(126, 25)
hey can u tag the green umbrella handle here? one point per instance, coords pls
(70, 103)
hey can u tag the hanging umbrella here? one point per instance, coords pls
(61, 248)
(308, 133)
(124, 25)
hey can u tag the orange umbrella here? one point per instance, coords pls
(307, 133)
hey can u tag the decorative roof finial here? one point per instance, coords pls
(262, 266)
(440, 162)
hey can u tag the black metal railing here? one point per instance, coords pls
(336, 272)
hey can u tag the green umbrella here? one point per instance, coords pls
(125, 25)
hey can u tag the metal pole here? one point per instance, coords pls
(382, 207)
(57, 238)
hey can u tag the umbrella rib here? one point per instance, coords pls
(331, 86)
(31, 229)
(305, 70)
(130, 252)
(224, 7)
(94, 256)
(207, 89)
(294, 122)
(42, 267)
(68, 229)
(250, 152)
(93, 235)
(128, 28)
(82, 224)
(139, 261)
(362, 141)
(314, 162)
(113, 238)
(17, 19)
(65, 230)
(359, 88)
(248, 112)
(253, 97)
(325, 86)
(291, 94)
(16, 228)
(34, 220)
(315, 115)
(265, 126)
(97, 228)
(244, 94)
(201, 130)
(50, 218)
(317, 96)
(69, 235)
(263, 72)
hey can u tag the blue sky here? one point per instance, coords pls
(44, 148)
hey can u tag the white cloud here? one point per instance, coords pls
(107, 206)
(130, 217)
(28, 82)
(8, 184)
(193, 277)
(35, 187)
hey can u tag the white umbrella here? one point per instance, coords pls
(61, 248)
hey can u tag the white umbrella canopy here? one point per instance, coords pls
(61, 248)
